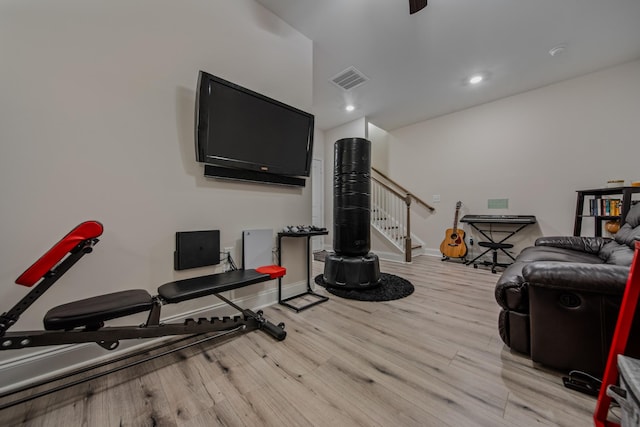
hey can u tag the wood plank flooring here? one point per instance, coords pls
(431, 359)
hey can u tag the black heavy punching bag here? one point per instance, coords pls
(352, 197)
(351, 266)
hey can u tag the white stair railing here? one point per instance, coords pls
(391, 213)
(387, 215)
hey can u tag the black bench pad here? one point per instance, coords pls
(92, 311)
(183, 290)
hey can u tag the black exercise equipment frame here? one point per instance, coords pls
(109, 337)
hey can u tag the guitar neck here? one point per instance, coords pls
(455, 220)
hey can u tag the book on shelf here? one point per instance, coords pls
(605, 207)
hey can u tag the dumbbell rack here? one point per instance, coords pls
(309, 292)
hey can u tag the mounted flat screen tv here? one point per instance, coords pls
(241, 134)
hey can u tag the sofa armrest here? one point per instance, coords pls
(572, 276)
(591, 245)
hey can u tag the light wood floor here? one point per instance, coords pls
(431, 359)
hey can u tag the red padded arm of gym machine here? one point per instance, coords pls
(85, 231)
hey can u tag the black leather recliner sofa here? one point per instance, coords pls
(560, 298)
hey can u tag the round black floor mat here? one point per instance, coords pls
(391, 287)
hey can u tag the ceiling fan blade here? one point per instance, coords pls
(416, 6)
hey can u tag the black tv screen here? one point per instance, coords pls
(241, 129)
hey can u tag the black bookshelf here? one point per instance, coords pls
(625, 193)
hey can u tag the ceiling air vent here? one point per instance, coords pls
(349, 79)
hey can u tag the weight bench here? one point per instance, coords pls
(84, 320)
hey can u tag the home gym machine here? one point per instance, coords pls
(83, 321)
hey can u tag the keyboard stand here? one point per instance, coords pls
(499, 220)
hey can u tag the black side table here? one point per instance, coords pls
(309, 291)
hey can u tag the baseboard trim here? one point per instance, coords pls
(432, 252)
(21, 371)
(397, 256)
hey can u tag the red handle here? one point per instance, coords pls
(85, 231)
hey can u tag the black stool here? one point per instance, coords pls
(494, 247)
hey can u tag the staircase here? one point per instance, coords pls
(391, 213)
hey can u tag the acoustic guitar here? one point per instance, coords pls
(453, 245)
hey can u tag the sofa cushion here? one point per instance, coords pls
(616, 253)
(589, 245)
(620, 250)
(633, 216)
(550, 253)
(630, 230)
(627, 235)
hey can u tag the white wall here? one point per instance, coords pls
(536, 149)
(379, 148)
(96, 122)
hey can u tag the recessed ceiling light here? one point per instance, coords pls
(474, 80)
(349, 107)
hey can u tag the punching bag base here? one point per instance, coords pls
(351, 272)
